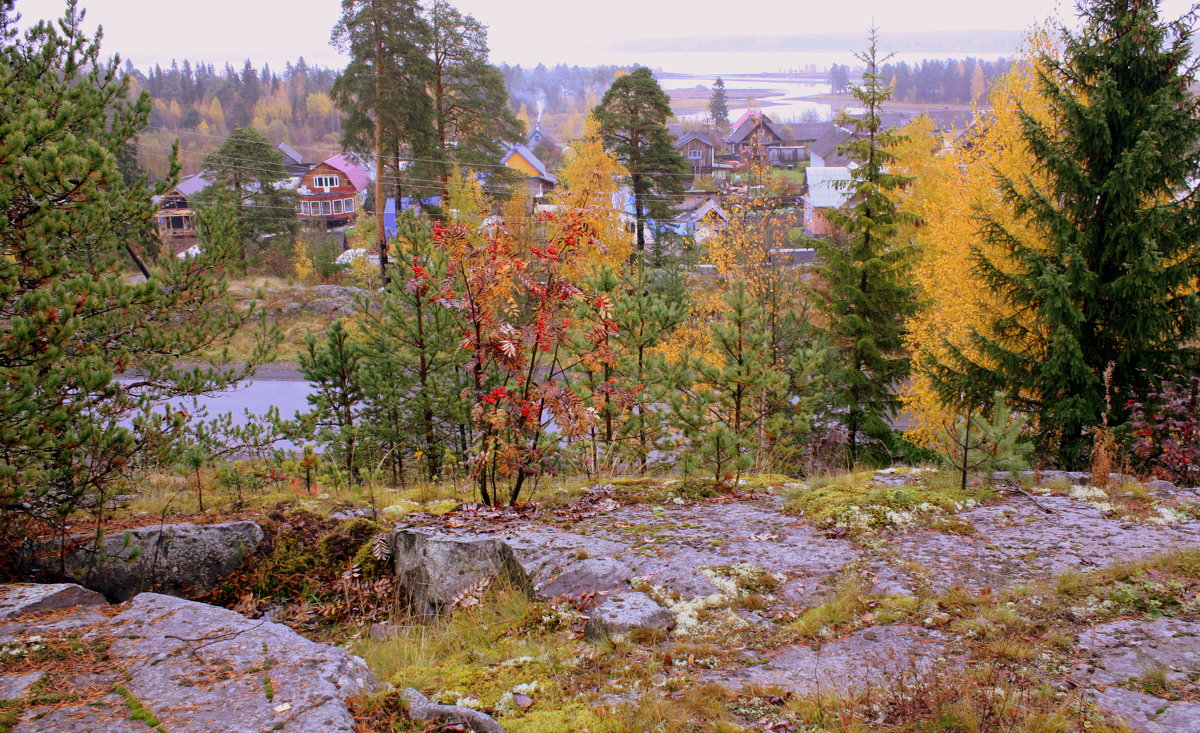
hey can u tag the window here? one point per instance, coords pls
(349, 205)
(337, 206)
(325, 208)
(694, 154)
(300, 208)
(326, 181)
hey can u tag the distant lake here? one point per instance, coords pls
(732, 62)
(744, 70)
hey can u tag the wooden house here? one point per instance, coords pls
(755, 128)
(538, 180)
(332, 192)
(176, 218)
(698, 149)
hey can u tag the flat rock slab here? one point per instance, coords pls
(16, 686)
(668, 545)
(1016, 543)
(874, 656)
(619, 615)
(175, 558)
(19, 599)
(206, 669)
(1123, 653)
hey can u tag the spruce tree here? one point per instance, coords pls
(718, 104)
(633, 123)
(866, 295)
(1116, 283)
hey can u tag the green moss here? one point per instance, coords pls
(551, 719)
(10, 714)
(855, 501)
(341, 543)
(268, 689)
(138, 711)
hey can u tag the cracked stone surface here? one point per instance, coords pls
(1123, 653)
(669, 544)
(196, 668)
(872, 656)
(1017, 543)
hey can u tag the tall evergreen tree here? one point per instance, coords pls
(472, 119)
(1116, 285)
(866, 294)
(70, 320)
(633, 122)
(249, 170)
(718, 104)
(383, 91)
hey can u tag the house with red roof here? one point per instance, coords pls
(332, 192)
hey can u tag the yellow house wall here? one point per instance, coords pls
(517, 162)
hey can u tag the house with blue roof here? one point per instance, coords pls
(828, 188)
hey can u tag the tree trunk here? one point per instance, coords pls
(381, 234)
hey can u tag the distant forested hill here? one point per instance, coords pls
(200, 105)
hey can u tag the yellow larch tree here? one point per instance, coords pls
(588, 182)
(954, 187)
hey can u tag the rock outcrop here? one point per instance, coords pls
(174, 558)
(618, 616)
(1142, 673)
(188, 666)
(436, 572)
(20, 599)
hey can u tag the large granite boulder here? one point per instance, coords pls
(174, 558)
(436, 572)
(191, 667)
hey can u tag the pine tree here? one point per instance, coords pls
(414, 370)
(633, 116)
(472, 118)
(728, 402)
(71, 320)
(383, 93)
(249, 170)
(334, 368)
(866, 294)
(718, 105)
(1108, 274)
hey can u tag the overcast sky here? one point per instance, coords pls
(277, 30)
